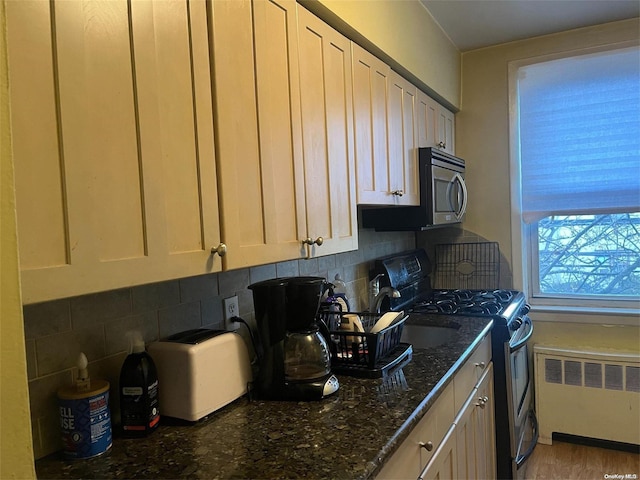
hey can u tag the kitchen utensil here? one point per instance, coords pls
(387, 319)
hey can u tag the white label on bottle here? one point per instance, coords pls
(132, 390)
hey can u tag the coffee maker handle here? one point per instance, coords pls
(324, 331)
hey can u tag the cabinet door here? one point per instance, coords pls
(258, 134)
(475, 431)
(327, 135)
(436, 124)
(446, 130)
(402, 127)
(466, 441)
(370, 84)
(427, 120)
(443, 463)
(115, 172)
(424, 441)
(485, 427)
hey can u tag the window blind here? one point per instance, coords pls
(580, 135)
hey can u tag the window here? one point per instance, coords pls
(579, 127)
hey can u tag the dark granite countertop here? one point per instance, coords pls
(346, 436)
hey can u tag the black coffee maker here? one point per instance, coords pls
(293, 355)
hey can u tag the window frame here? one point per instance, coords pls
(524, 239)
(602, 302)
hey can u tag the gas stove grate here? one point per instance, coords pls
(467, 266)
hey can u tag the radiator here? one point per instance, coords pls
(587, 393)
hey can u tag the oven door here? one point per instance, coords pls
(524, 431)
(449, 195)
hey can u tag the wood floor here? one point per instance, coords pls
(569, 461)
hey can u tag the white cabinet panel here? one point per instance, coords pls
(327, 136)
(115, 164)
(436, 125)
(258, 136)
(373, 164)
(403, 140)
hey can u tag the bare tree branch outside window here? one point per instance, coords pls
(590, 254)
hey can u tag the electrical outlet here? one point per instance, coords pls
(231, 309)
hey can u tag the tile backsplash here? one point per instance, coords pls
(57, 331)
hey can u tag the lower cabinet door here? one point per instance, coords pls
(485, 427)
(466, 434)
(443, 464)
(475, 431)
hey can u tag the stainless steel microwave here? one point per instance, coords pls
(443, 197)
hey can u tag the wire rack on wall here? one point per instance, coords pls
(467, 266)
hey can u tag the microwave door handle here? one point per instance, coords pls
(463, 189)
(454, 204)
(450, 194)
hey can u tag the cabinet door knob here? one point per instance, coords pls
(220, 250)
(427, 446)
(442, 145)
(482, 402)
(480, 364)
(398, 193)
(309, 241)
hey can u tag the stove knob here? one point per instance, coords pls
(515, 324)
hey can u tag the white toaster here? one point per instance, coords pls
(200, 371)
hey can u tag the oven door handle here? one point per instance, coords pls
(520, 459)
(526, 321)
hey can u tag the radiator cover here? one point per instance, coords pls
(589, 393)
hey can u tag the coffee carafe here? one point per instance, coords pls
(293, 355)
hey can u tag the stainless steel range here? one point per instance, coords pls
(516, 424)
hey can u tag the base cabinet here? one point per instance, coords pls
(475, 437)
(452, 441)
(443, 465)
(486, 428)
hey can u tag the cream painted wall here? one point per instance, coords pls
(405, 31)
(482, 139)
(588, 336)
(16, 452)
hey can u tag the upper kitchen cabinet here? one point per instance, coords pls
(373, 164)
(113, 144)
(402, 126)
(436, 125)
(258, 133)
(327, 136)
